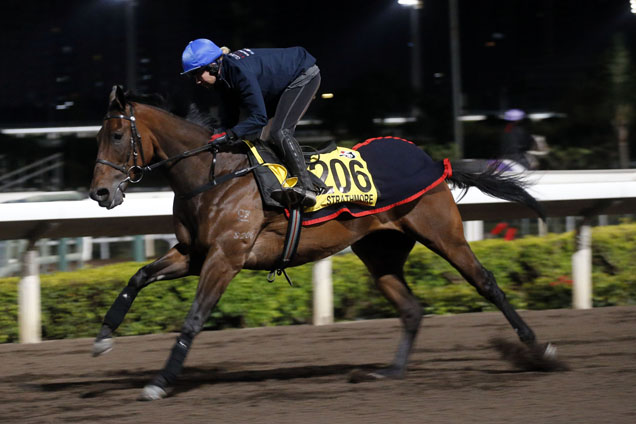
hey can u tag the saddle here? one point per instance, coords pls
(340, 172)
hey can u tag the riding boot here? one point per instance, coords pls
(304, 192)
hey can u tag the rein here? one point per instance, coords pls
(135, 173)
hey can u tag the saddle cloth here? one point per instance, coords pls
(372, 177)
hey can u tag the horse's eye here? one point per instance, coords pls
(118, 136)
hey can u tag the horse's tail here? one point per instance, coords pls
(497, 183)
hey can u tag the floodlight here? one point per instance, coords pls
(411, 3)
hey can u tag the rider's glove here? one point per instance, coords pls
(223, 138)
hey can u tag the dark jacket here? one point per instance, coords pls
(251, 82)
(515, 142)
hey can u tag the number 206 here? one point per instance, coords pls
(351, 174)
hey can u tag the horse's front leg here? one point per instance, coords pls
(216, 273)
(174, 264)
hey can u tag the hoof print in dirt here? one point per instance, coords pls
(539, 357)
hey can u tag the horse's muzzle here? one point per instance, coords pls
(106, 197)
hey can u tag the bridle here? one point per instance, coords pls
(135, 173)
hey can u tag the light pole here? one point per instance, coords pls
(131, 46)
(416, 68)
(456, 78)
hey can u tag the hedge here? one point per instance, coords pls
(535, 273)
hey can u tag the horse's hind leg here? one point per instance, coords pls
(384, 253)
(174, 264)
(440, 228)
(452, 246)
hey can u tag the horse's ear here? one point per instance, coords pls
(117, 100)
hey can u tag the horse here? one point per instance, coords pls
(136, 137)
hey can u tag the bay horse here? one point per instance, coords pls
(135, 137)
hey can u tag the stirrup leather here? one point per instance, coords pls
(292, 237)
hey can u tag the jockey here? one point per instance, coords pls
(262, 83)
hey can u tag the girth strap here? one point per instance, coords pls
(292, 237)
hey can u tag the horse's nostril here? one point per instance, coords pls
(100, 194)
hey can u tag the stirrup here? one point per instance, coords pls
(294, 196)
(309, 198)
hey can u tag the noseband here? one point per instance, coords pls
(134, 173)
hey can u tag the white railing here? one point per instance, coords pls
(59, 252)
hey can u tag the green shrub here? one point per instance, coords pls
(8, 309)
(535, 273)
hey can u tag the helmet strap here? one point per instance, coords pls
(214, 68)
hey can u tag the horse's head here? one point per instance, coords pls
(120, 152)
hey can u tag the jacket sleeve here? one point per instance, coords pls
(252, 101)
(228, 113)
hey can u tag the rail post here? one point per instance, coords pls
(62, 254)
(30, 323)
(139, 253)
(323, 292)
(582, 269)
(474, 230)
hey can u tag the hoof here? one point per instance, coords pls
(102, 346)
(550, 352)
(152, 392)
(360, 376)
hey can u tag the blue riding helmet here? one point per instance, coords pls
(198, 53)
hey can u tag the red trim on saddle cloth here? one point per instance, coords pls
(365, 142)
(448, 171)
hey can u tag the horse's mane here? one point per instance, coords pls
(156, 100)
(152, 99)
(198, 117)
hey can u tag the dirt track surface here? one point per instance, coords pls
(299, 374)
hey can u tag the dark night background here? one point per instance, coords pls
(60, 60)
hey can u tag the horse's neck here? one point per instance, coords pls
(173, 136)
